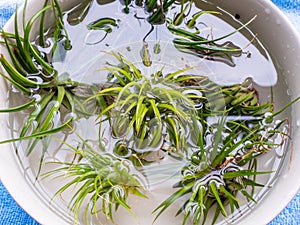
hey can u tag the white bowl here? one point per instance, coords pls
(282, 42)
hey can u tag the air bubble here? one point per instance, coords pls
(37, 97)
(197, 103)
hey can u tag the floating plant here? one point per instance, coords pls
(191, 42)
(34, 76)
(98, 178)
(216, 173)
(48, 92)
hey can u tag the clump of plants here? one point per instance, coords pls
(219, 130)
(221, 140)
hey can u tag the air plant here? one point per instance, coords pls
(144, 109)
(225, 165)
(30, 71)
(191, 42)
(101, 182)
(33, 74)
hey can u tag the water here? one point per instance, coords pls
(132, 33)
(150, 48)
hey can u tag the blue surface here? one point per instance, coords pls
(12, 214)
(288, 4)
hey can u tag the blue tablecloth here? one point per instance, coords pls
(12, 214)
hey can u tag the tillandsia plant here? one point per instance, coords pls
(224, 166)
(101, 182)
(32, 73)
(146, 109)
(34, 76)
(190, 41)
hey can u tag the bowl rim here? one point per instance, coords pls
(39, 209)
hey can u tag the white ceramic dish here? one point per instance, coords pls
(283, 44)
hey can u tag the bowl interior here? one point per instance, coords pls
(283, 44)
